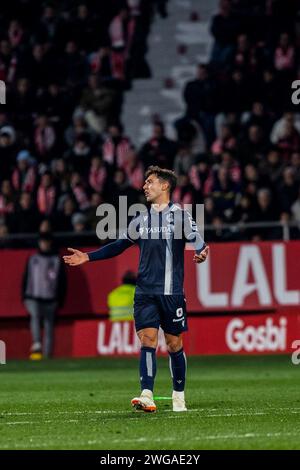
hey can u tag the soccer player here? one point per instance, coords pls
(161, 233)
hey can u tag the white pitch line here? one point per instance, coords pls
(209, 412)
(13, 423)
(249, 435)
(210, 437)
(30, 413)
(17, 422)
(153, 417)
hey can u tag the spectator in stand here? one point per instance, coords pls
(253, 181)
(8, 62)
(84, 28)
(61, 176)
(80, 229)
(295, 209)
(24, 175)
(3, 119)
(92, 218)
(228, 161)
(184, 191)
(278, 131)
(284, 57)
(226, 141)
(288, 189)
(134, 169)
(272, 167)
(121, 32)
(224, 191)
(258, 117)
(50, 25)
(78, 128)
(230, 119)
(21, 104)
(103, 66)
(244, 55)
(115, 148)
(79, 156)
(224, 28)
(295, 163)
(45, 226)
(219, 233)
(237, 93)
(289, 142)
(63, 217)
(79, 222)
(141, 14)
(74, 66)
(100, 103)
(252, 147)
(210, 211)
(183, 160)
(158, 150)
(200, 98)
(264, 211)
(242, 212)
(120, 187)
(26, 218)
(201, 177)
(15, 34)
(7, 151)
(190, 134)
(98, 174)
(37, 69)
(56, 104)
(7, 199)
(46, 195)
(269, 92)
(79, 191)
(44, 138)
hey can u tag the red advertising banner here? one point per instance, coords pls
(241, 334)
(236, 277)
(245, 276)
(248, 334)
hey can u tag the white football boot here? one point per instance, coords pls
(178, 401)
(144, 402)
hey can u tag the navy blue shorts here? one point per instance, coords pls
(167, 311)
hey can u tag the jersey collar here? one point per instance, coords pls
(164, 211)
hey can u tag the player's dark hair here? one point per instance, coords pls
(163, 174)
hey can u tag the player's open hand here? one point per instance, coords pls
(202, 256)
(77, 258)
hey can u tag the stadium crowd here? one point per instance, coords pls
(63, 149)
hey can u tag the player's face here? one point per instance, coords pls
(153, 188)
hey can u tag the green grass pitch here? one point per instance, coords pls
(234, 402)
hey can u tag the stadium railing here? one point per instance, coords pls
(225, 232)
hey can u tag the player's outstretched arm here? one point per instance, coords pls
(77, 257)
(108, 251)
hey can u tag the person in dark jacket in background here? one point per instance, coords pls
(44, 290)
